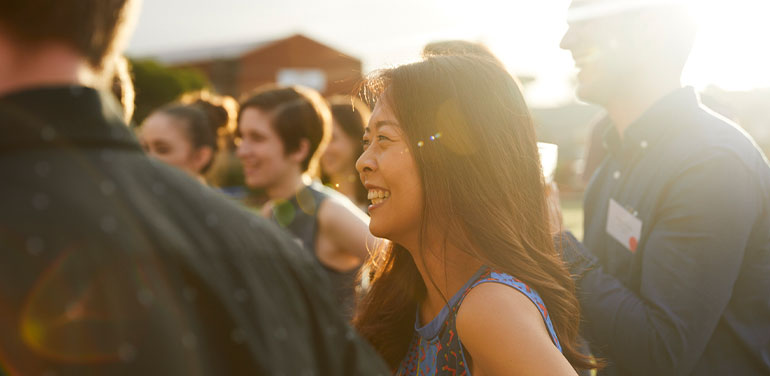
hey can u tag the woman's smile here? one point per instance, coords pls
(377, 197)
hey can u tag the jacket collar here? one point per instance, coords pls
(655, 124)
(62, 117)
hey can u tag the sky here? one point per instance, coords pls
(732, 51)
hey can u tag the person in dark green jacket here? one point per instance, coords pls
(112, 263)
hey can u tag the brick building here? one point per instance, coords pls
(238, 68)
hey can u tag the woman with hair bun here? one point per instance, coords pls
(185, 134)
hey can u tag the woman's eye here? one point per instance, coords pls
(366, 142)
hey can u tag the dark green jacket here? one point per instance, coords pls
(113, 263)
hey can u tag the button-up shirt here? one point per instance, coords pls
(691, 295)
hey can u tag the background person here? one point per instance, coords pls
(674, 277)
(283, 132)
(338, 163)
(186, 135)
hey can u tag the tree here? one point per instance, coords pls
(156, 84)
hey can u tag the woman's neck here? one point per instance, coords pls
(444, 274)
(288, 187)
(625, 109)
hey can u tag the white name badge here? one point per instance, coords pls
(623, 226)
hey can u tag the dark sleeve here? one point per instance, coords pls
(266, 304)
(294, 314)
(692, 257)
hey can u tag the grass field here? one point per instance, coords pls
(572, 213)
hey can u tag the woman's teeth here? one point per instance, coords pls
(377, 196)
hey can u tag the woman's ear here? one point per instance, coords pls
(201, 157)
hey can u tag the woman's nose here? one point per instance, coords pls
(365, 162)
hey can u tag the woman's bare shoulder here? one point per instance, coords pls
(504, 333)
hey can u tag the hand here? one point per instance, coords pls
(577, 258)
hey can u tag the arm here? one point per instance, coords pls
(347, 227)
(691, 260)
(504, 334)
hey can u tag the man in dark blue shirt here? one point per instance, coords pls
(674, 278)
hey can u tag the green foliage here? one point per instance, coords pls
(156, 84)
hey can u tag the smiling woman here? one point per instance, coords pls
(283, 131)
(453, 174)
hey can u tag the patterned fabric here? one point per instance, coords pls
(435, 348)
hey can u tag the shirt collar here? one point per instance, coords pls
(653, 124)
(62, 117)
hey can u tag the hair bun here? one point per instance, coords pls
(219, 110)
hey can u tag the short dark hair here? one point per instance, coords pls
(457, 47)
(297, 113)
(89, 26)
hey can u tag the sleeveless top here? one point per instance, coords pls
(299, 215)
(435, 348)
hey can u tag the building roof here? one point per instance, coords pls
(221, 51)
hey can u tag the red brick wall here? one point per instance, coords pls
(261, 66)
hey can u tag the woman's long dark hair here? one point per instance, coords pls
(472, 138)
